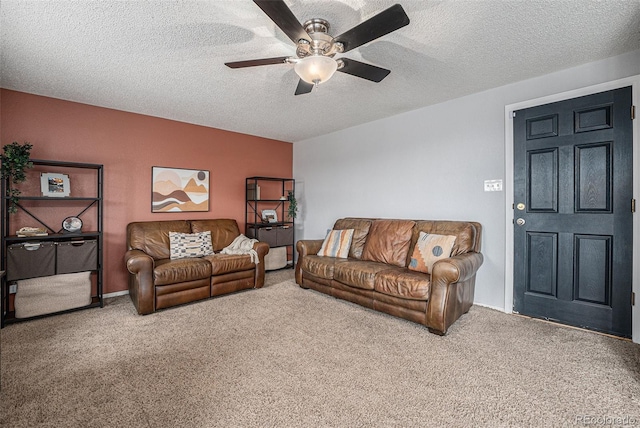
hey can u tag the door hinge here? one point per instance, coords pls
(633, 298)
(513, 114)
(633, 112)
(633, 205)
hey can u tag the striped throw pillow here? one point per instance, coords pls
(184, 245)
(337, 244)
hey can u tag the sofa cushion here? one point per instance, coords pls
(360, 274)
(227, 263)
(322, 267)
(187, 245)
(152, 237)
(388, 242)
(337, 244)
(360, 228)
(223, 231)
(169, 271)
(429, 249)
(403, 283)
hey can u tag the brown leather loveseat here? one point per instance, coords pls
(376, 274)
(156, 281)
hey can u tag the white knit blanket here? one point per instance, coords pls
(242, 245)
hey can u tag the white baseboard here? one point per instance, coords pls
(115, 294)
(489, 306)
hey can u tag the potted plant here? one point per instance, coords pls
(292, 210)
(15, 160)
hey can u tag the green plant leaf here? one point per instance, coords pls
(15, 160)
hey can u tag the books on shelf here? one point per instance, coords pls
(253, 191)
(31, 231)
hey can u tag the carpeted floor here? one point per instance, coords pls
(288, 357)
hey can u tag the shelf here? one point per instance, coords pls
(50, 198)
(53, 236)
(280, 224)
(92, 205)
(267, 193)
(10, 317)
(270, 179)
(64, 164)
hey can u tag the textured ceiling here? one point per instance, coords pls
(166, 58)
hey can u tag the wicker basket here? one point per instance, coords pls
(48, 294)
(276, 259)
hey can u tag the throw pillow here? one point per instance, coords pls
(429, 249)
(337, 244)
(184, 245)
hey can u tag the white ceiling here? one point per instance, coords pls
(166, 58)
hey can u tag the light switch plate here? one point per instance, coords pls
(13, 288)
(493, 185)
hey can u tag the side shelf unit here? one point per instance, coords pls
(63, 254)
(270, 194)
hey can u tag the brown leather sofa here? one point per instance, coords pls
(157, 282)
(434, 300)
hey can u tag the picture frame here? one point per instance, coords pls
(179, 190)
(55, 185)
(269, 216)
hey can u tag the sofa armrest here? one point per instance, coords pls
(262, 248)
(452, 289)
(141, 287)
(306, 247)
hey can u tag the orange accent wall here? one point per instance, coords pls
(128, 145)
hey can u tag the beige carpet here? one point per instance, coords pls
(288, 357)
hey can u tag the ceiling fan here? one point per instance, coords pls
(315, 48)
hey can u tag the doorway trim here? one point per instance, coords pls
(634, 82)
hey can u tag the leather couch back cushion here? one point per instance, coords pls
(223, 231)
(389, 242)
(465, 233)
(152, 237)
(360, 228)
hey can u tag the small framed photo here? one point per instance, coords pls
(269, 216)
(54, 185)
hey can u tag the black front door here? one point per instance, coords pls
(573, 218)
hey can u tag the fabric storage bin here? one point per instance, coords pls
(264, 234)
(76, 256)
(276, 258)
(284, 236)
(48, 294)
(30, 260)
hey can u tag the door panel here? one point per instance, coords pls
(543, 263)
(573, 191)
(543, 180)
(593, 178)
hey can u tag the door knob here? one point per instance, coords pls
(520, 222)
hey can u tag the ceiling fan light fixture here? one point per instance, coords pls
(316, 69)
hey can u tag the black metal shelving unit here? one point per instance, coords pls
(56, 233)
(272, 195)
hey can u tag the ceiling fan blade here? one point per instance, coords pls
(303, 87)
(385, 22)
(366, 71)
(255, 62)
(282, 16)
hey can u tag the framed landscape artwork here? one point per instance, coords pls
(179, 190)
(54, 185)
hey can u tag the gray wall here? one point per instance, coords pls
(431, 164)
